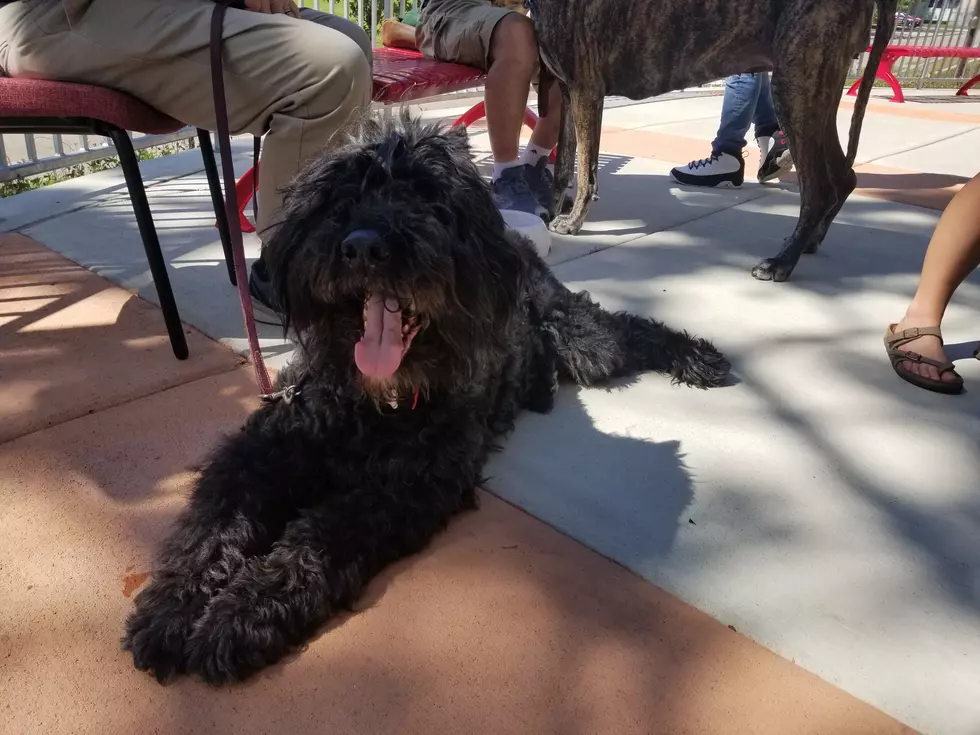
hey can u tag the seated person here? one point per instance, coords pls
(748, 100)
(295, 75)
(501, 41)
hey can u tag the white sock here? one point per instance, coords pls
(532, 154)
(499, 168)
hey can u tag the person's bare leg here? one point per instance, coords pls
(513, 59)
(954, 251)
(545, 135)
(395, 34)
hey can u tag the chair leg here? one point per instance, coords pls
(245, 190)
(890, 79)
(217, 200)
(476, 112)
(154, 256)
(962, 90)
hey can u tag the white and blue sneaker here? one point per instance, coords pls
(719, 170)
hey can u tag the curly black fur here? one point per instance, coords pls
(294, 515)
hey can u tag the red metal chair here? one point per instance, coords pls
(31, 106)
(401, 75)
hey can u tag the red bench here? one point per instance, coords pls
(401, 75)
(894, 53)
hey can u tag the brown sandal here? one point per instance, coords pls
(894, 340)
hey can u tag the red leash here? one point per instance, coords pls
(231, 199)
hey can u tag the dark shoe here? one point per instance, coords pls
(541, 182)
(513, 191)
(719, 170)
(776, 158)
(265, 305)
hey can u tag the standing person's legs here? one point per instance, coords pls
(764, 119)
(725, 167)
(501, 41)
(296, 80)
(953, 253)
(737, 112)
(773, 146)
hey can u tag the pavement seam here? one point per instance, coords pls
(918, 147)
(121, 191)
(672, 227)
(132, 399)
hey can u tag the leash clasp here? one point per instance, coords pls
(286, 395)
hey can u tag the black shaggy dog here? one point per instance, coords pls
(424, 327)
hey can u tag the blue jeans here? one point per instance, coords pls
(748, 100)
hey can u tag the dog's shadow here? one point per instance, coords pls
(618, 493)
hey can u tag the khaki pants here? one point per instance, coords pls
(298, 81)
(458, 31)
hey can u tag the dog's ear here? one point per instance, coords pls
(491, 271)
(290, 265)
(458, 140)
(508, 274)
(458, 135)
(291, 253)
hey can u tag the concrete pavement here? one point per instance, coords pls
(820, 506)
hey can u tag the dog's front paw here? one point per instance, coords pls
(773, 269)
(565, 224)
(157, 632)
(233, 639)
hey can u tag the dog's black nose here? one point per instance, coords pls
(365, 246)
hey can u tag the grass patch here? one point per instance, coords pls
(29, 183)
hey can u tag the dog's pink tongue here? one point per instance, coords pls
(379, 353)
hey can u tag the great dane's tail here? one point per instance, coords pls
(883, 33)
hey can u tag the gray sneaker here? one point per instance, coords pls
(541, 182)
(513, 191)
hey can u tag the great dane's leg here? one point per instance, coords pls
(565, 161)
(807, 81)
(844, 180)
(586, 108)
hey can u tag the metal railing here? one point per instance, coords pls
(30, 154)
(931, 23)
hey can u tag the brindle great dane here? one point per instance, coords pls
(643, 48)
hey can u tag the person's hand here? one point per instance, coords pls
(273, 7)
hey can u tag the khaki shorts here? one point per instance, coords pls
(458, 31)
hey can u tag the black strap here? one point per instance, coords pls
(231, 195)
(256, 150)
(221, 117)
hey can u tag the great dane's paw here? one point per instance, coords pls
(564, 224)
(773, 269)
(559, 208)
(812, 248)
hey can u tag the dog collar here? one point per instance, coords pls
(397, 405)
